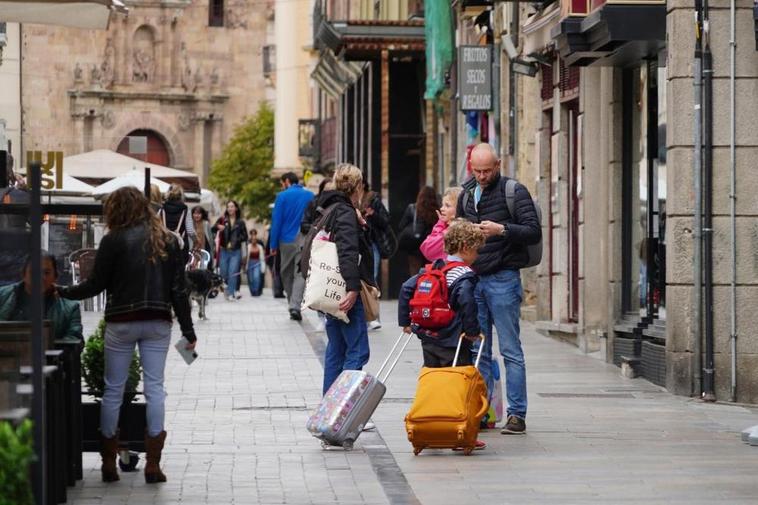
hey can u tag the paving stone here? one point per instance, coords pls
(236, 422)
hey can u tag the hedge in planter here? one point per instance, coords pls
(16, 455)
(93, 366)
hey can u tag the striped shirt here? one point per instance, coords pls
(456, 273)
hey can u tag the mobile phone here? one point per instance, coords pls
(189, 355)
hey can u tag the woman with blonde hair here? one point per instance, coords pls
(138, 264)
(347, 347)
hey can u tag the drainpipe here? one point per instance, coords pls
(697, 177)
(708, 371)
(733, 198)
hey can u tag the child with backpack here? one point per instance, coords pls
(438, 304)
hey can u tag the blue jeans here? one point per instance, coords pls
(347, 347)
(254, 278)
(230, 269)
(498, 297)
(153, 338)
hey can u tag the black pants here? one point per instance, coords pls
(436, 356)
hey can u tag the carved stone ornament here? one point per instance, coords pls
(189, 83)
(108, 120)
(142, 66)
(215, 77)
(236, 15)
(107, 69)
(185, 121)
(95, 76)
(78, 74)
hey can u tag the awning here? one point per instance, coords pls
(73, 13)
(334, 75)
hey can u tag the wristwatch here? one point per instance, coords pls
(505, 230)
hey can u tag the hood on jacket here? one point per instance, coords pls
(328, 198)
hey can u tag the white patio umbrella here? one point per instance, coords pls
(135, 178)
(73, 13)
(71, 186)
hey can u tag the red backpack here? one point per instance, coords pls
(430, 309)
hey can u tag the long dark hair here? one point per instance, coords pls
(239, 211)
(203, 212)
(427, 204)
(127, 207)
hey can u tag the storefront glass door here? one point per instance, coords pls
(644, 192)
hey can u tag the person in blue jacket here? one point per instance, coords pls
(289, 206)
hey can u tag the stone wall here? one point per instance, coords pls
(160, 68)
(680, 333)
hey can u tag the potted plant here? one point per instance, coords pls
(132, 421)
(16, 455)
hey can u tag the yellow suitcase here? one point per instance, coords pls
(449, 405)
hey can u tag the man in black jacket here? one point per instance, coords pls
(498, 292)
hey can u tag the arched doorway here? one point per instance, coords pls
(157, 150)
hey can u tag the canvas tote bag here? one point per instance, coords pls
(325, 287)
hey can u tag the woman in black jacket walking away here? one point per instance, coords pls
(138, 264)
(177, 218)
(347, 347)
(415, 225)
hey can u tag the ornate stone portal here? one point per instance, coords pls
(161, 68)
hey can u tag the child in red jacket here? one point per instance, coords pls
(433, 247)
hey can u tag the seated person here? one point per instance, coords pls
(64, 315)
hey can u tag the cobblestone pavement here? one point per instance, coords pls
(236, 420)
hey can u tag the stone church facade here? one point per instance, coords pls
(183, 73)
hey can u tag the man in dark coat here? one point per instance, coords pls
(498, 292)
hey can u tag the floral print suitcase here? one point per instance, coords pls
(350, 402)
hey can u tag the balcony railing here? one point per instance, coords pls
(370, 10)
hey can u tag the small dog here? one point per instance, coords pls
(202, 284)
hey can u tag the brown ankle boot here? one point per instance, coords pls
(153, 448)
(109, 452)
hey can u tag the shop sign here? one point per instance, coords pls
(51, 168)
(475, 77)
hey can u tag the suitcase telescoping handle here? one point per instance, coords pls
(389, 356)
(458, 350)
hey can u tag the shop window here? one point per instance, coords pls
(216, 13)
(547, 82)
(645, 191)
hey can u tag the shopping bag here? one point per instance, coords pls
(495, 412)
(370, 298)
(325, 287)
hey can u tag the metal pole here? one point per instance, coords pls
(709, 393)
(733, 198)
(147, 183)
(697, 176)
(370, 165)
(38, 350)
(454, 105)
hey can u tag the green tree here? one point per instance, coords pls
(243, 172)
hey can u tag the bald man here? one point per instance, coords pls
(498, 293)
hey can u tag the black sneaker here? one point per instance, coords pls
(295, 315)
(514, 426)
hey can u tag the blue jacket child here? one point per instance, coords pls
(439, 349)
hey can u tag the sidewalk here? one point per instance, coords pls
(236, 422)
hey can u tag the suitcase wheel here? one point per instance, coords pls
(417, 450)
(468, 451)
(324, 445)
(348, 444)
